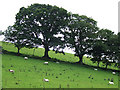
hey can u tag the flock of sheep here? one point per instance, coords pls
(110, 82)
(26, 58)
(47, 80)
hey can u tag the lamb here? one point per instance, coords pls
(57, 62)
(113, 73)
(46, 63)
(110, 60)
(25, 58)
(111, 82)
(46, 80)
(11, 71)
(95, 69)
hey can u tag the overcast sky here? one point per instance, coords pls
(105, 12)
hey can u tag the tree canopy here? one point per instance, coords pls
(42, 22)
(56, 28)
(18, 38)
(81, 34)
(105, 47)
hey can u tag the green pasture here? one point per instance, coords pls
(30, 74)
(40, 52)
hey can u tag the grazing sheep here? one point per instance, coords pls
(25, 58)
(113, 73)
(95, 69)
(46, 63)
(111, 82)
(11, 71)
(46, 80)
(110, 60)
(57, 62)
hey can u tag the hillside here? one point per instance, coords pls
(39, 52)
(30, 73)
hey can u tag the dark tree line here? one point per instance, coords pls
(106, 47)
(81, 35)
(54, 27)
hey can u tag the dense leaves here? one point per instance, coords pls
(43, 23)
(18, 38)
(81, 34)
(56, 28)
(105, 48)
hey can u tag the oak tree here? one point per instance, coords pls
(81, 34)
(43, 22)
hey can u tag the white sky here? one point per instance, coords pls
(105, 12)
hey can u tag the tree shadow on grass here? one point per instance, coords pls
(54, 60)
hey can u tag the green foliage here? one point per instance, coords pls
(42, 22)
(118, 43)
(53, 27)
(18, 38)
(98, 51)
(105, 48)
(81, 34)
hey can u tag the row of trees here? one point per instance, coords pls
(54, 27)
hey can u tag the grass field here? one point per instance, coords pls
(40, 52)
(30, 73)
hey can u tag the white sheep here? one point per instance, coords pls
(111, 82)
(11, 71)
(25, 58)
(110, 60)
(57, 62)
(46, 63)
(113, 73)
(46, 80)
(95, 69)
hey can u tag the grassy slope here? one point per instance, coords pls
(30, 74)
(40, 52)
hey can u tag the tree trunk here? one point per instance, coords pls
(80, 60)
(18, 51)
(98, 64)
(106, 65)
(33, 51)
(46, 52)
